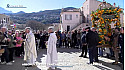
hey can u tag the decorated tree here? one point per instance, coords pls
(102, 18)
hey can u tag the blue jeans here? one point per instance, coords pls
(79, 43)
(100, 51)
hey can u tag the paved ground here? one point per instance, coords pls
(68, 59)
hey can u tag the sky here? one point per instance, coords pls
(41, 5)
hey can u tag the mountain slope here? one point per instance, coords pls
(2, 10)
(46, 17)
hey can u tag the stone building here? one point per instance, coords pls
(4, 20)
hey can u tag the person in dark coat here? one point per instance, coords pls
(96, 50)
(92, 42)
(84, 44)
(43, 40)
(121, 43)
(60, 39)
(37, 39)
(72, 45)
(78, 36)
(22, 47)
(63, 39)
(69, 39)
(74, 39)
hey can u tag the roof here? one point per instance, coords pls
(71, 10)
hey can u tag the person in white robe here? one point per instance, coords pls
(30, 47)
(51, 49)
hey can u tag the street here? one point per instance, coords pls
(68, 59)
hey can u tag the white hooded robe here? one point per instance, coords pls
(30, 49)
(51, 50)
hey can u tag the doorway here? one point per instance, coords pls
(68, 28)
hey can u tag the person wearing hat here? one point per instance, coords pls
(30, 47)
(84, 44)
(96, 49)
(51, 60)
(4, 45)
(92, 42)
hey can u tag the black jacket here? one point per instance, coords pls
(2, 37)
(121, 40)
(92, 39)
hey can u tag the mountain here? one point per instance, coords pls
(69, 8)
(46, 16)
(21, 12)
(2, 10)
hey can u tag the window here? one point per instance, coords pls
(76, 16)
(1, 21)
(6, 20)
(87, 18)
(68, 17)
(87, 6)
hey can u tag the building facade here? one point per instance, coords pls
(84, 15)
(92, 5)
(4, 20)
(69, 19)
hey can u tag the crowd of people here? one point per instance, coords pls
(12, 43)
(88, 39)
(85, 39)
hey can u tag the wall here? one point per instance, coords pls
(7, 19)
(72, 23)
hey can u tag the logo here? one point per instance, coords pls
(15, 6)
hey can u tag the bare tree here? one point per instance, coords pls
(35, 25)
